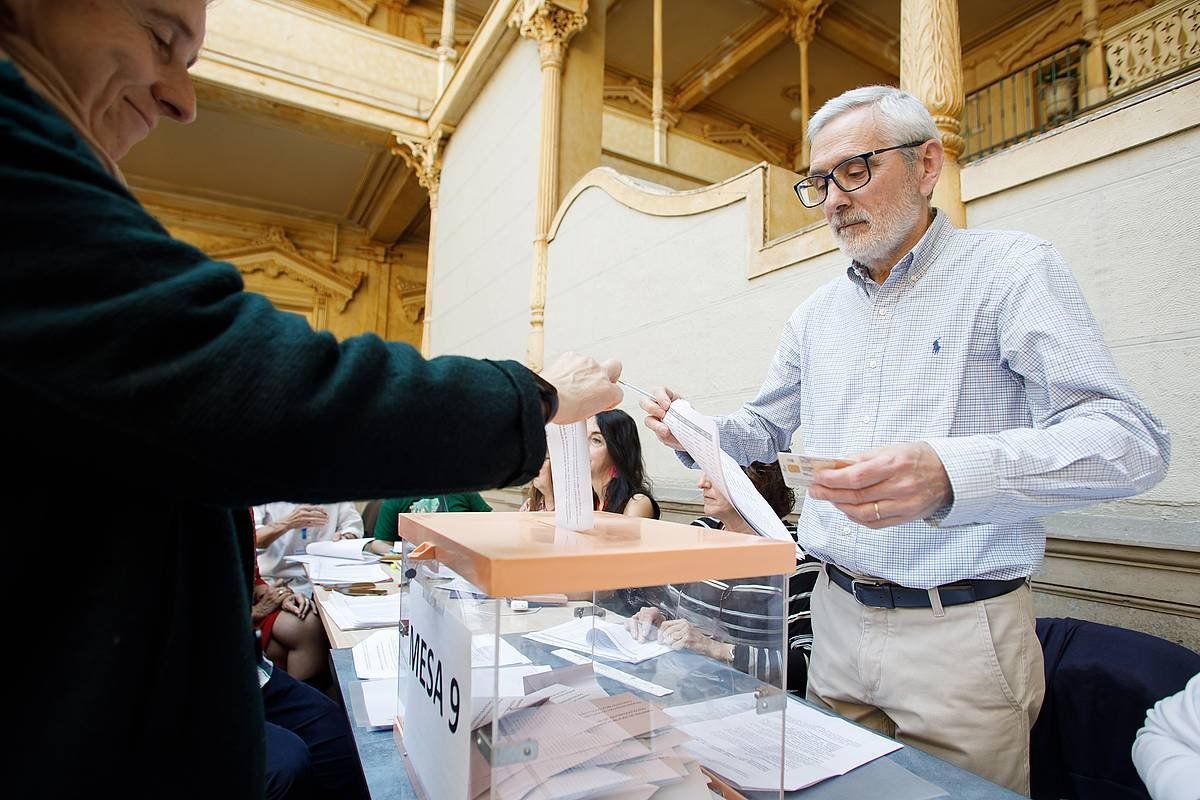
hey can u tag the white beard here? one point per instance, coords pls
(884, 231)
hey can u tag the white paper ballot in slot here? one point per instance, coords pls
(570, 469)
(700, 437)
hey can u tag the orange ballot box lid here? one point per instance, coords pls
(512, 554)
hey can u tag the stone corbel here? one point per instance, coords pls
(423, 156)
(412, 300)
(274, 254)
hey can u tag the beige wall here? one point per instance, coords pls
(483, 244)
(1126, 225)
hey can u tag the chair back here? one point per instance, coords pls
(1100, 682)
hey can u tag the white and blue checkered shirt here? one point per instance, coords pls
(979, 343)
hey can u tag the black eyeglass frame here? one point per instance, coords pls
(829, 176)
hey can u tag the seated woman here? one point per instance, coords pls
(724, 619)
(290, 633)
(618, 475)
(385, 524)
(540, 494)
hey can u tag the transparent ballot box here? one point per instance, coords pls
(639, 659)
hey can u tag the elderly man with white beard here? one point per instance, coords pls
(963, 375)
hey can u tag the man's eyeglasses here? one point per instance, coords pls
(850, 175)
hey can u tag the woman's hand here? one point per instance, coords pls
(298, 604)
(267, 600)
(679, 634)
(643, 623)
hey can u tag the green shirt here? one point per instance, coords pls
(385, 523)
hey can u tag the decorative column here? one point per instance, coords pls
(802, 18)
(1096, 85)
(550, 23)
(931, 70)
(424, 158)
(656, 110)
(445, 51)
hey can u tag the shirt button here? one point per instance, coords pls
(883, 312)
(873, 363)
(866, 418)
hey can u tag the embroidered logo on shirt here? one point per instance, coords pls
(937, 345)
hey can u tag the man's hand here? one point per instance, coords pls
(643, 623)
(656, 410)
(306, 516)
(888, 486)
(585, 386)
(298, 604)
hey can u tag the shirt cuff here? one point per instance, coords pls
(968, 464)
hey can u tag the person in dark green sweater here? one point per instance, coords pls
(138, 377)
(385, 524)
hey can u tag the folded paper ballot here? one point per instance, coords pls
(342, 548)
(600, 638)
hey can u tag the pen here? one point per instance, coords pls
(642, 392)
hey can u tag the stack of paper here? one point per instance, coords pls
(322, 569)
(378, 656)
(618, 748)
(600, 638)
(355, 613)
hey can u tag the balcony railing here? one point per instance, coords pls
(1030, 101)
(1153, 46)
(1159, 42)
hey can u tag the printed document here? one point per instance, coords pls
(743, 748)
(378, 656)
(570, 469)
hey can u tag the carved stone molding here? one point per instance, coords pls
(746, 137)
(359, 8)
(632, 92)
(423, 156)
(1153, 44)
(931, 65)
(274, 254)
(550, 23)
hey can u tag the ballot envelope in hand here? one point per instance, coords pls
(798, 469)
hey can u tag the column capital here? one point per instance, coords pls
(550, 23)
(803, 16)
(423, 155)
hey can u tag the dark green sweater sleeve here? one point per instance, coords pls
(119, 338)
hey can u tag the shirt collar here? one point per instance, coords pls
(917, 261)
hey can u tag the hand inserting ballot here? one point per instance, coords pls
(585, 386)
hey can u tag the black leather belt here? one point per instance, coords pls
(890, 595)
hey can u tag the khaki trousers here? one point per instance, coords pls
(965, 686)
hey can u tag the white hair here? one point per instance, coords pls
(902, 117)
